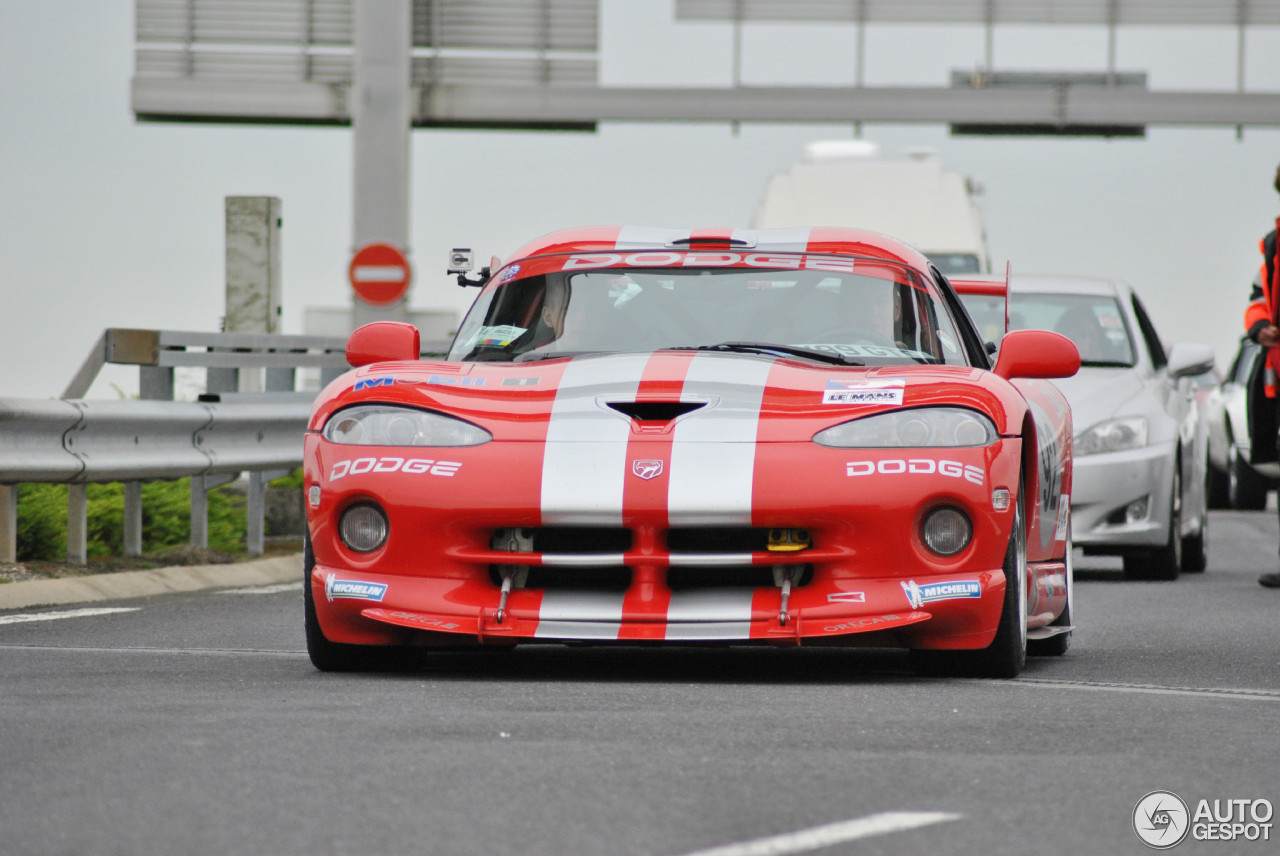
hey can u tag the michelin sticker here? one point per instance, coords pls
(863, 392)
(919, 595)
(353, 589)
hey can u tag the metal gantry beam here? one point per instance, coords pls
(996, 12)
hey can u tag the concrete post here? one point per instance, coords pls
(254, 302)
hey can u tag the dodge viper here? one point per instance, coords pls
(649, 436)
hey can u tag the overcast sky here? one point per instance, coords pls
(105, 222)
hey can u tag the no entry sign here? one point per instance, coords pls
(379, 274)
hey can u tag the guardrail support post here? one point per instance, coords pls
(78, 524)
(8, 523)
(133, 518)
(199, 513)
(255, 514)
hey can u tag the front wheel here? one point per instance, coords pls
(1163, 563)
(330, 656)
(1246, 490)
(1007, 653)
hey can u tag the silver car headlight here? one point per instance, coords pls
(923, 427)
(1114, 435)
(385, 425)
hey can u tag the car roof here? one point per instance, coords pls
(1058, 284)
(824, 240)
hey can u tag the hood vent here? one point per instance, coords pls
(655, 411)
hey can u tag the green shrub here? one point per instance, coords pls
(166, 519)
(293, 480)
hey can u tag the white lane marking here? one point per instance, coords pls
(271, 589)
(818, 837)
(70, 613)
(1156, 689)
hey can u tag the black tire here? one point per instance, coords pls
(1217, 487)
(1007, 653)
(1246, 490)
(337, 656)
(1165, 562)
(1057, 645)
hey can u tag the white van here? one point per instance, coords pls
(847, 183)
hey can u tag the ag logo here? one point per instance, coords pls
(646, 469)
(1161, 820)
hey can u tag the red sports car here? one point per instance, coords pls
(776, 437)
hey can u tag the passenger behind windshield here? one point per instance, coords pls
(886, 317)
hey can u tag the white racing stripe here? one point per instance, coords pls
(713, 456)
(817, 837)
(646, 237)
(710, 614)
(579, 615)
(70, 613)
(779, 240)
(585, 461)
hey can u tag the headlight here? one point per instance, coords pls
(1114, 435)
(946, 427)
(383, 425)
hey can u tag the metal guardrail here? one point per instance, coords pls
(214, 440)
(222, 355)
(77, 441)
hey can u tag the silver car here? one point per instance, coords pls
(1233, 481)
(1140, 446)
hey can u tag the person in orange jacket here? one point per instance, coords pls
(1262, 324)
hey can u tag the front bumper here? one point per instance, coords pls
(662, 574)
(1105, 485)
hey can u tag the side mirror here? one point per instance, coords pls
(384, 341)
(1186, 359)
(1036, 354)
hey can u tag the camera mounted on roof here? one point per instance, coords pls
(461, 261)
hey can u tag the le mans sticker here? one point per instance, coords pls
(863, 392)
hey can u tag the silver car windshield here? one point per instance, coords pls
(1094, 322)
(889, 316)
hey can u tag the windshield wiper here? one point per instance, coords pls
(771, 348)
(535, 356)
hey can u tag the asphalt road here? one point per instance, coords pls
(194, 724)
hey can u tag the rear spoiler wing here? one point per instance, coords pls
(988, 287)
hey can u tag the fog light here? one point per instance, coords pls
(1136, 511)
(946, 531)
(363, 527)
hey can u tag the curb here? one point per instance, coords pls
(131, 584)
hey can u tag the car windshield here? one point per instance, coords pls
(885, 315)
(1093, 322)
